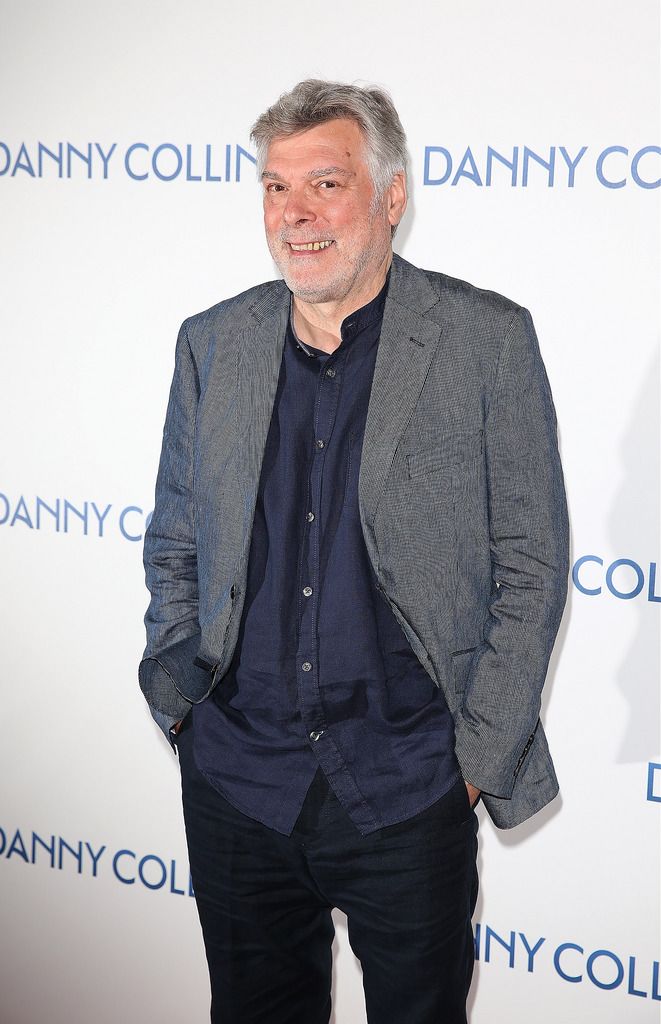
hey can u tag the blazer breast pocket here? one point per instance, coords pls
(448, 454)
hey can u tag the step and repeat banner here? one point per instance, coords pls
(129, 201)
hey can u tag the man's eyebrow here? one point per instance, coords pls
(319, 172)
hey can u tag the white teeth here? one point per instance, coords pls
(310, 246)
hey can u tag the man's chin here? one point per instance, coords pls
(310, 290)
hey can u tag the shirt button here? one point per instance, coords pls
(306, 666)
(320, 443)
(310, 517)
(307, 591)
(330, 372)
(316, 734)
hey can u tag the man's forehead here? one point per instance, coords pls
(335, 146)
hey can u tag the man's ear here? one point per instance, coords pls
(397, 197)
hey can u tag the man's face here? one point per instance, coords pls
(318, 189)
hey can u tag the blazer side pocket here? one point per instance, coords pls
(461, 667)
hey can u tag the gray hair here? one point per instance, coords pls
(313, 102)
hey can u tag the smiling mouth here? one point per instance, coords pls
(309, 246)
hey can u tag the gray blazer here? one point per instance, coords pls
(462, 506)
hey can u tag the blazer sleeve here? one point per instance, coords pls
(529, 539)
(170, 557)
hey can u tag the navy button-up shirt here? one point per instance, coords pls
(322, 674)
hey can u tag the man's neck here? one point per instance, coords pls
(319, 324)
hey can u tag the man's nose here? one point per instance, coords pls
(298, 209)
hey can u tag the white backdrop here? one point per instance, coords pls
(98, 268)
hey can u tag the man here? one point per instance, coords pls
(358, 565)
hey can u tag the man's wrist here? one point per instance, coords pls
(473, 793)
(174, 731)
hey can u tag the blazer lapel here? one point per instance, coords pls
(406, 348)
(258, 367)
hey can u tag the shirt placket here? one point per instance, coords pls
(308, 669)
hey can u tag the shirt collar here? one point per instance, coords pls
(352, 325)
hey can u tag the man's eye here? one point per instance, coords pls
(327, 184)
(275, 186)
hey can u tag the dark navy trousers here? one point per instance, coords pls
(265, 901)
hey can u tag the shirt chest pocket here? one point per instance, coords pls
(448, 454)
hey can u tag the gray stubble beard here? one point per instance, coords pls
(334, 291)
